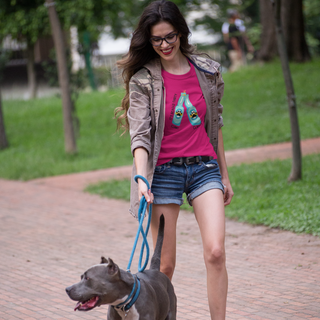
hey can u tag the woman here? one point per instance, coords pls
(173, 112)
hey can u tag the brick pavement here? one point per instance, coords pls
(51, 232)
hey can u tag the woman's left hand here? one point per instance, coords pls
(228, 192)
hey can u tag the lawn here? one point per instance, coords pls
(35, 134)
(256, 109)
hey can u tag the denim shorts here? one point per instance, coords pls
(171, 181)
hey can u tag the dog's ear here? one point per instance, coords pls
(112, 267)
(104, 260)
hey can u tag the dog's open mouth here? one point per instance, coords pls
(87, 305)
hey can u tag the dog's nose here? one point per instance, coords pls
(68, 290)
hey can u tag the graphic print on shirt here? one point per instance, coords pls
(191, 111)
(179, 110)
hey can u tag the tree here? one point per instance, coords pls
(293, 31)
(67, 104)
(296, 170)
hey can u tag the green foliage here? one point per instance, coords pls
(254, 33)
(91, 15)
(312, 25)
(28, 20)
(217, 12)
(24, 20)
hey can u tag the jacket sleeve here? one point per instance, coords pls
(220, 90)
(139, 114)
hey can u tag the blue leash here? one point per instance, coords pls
(141, 214)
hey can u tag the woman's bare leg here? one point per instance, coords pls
(209, 211)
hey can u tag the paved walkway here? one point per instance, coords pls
(50, 232)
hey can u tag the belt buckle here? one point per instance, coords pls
(191, 160)
(179, 163)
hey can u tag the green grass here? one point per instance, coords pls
(262, 195)
(255, 113)
(35, 134)
(256, 109)
(112, 189)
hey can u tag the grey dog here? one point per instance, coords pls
(147, 295)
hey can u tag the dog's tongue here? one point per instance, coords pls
(77, 306)
(82, 306)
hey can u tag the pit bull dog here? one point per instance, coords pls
(147, 295)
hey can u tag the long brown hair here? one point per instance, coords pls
(141, 50)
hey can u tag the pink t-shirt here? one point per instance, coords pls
(185, 110)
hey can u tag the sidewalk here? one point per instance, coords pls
(50, 232)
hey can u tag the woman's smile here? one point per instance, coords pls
(166, 51)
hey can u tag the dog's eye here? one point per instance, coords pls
(86, 278)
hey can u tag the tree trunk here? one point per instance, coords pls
(293, 29)
(268, 49)
(67, 105)
(296, 169)
(3, 138)
(32, 82)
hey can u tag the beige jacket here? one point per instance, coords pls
(146, 111)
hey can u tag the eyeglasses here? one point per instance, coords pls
(157, 41)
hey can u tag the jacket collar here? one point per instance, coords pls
(201, 63)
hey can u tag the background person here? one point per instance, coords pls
(173, 112)
(234, 35)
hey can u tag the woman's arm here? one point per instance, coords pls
(228, 194)
(141, 161)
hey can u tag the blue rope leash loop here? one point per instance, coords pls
(141, 214)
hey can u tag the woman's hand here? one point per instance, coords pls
(228, 192)
(143, 191)
(141, 161)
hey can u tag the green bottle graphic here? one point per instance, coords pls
(178, 111)
(192, 112)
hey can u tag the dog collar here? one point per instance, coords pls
(132, 298)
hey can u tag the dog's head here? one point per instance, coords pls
(96, 287)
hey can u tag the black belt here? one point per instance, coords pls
(189, 160)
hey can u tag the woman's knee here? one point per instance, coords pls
(215, 256)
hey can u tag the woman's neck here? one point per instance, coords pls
(180, 65)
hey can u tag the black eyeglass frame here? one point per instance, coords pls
(159, 38)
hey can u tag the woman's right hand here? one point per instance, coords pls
(141, 161)
(143, 191)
